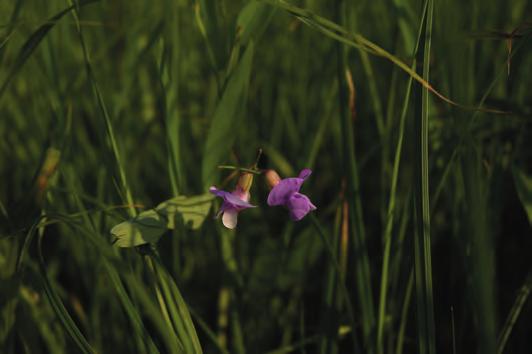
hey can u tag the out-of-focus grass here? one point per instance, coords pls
(111, 107)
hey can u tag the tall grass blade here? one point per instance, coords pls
(422, 240)
(226, 119)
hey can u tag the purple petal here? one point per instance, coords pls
(299, 206)
(217, 192)
(280, 194)
(237, 202)
(231, 199)
(305, 173)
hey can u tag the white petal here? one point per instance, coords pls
(229, 218)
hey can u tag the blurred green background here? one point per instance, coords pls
(422, 238)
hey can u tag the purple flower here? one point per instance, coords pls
(286, 192)
(233, 203)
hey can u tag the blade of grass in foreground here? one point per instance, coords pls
(422, 246)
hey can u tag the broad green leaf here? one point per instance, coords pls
(150, 225)
(227, 116)
(193, 210)
(523, 185)
(146, 227)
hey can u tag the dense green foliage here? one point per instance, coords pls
(414, 116)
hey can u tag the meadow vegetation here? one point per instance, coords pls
(413, 115)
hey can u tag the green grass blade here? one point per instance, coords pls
(226, 119)
(177, 309)
(422, 241)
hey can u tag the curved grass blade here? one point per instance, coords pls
(339, 33)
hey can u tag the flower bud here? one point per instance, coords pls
(272, 178)
(245, 181)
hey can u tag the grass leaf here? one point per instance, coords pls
(226, 119)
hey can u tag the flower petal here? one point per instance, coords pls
(299, 206)
(230, 218)
(305, 173)
(280, 194)
(231, 199)
(237, 202)
(217, 192)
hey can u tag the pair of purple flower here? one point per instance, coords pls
(284, 192)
